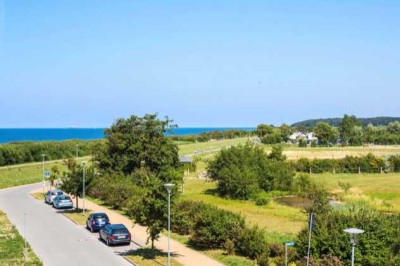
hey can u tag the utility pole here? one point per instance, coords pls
(83, 190)
(43, 155)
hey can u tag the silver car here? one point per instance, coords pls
(51, 194)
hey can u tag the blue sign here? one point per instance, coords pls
(47, 174)
(289, 244)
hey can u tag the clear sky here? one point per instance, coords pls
(202, 63)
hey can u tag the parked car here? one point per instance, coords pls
(95, 221)
(51, 194)
(115, 234)
(62, 201)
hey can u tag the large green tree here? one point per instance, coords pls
(138, 149)
(325, 133)
(349, 129)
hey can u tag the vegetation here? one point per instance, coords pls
(72, 179)
(377, 121)
(349, 164)
(243, 171)
(136, 149)
(26, 152)
(12, 246)
(149, 257)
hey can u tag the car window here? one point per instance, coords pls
(120, 231)
(100, 216)
(59, 193)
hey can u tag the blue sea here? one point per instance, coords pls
(59, 134)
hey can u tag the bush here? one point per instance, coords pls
(229, 247)
(261, 201)
(252, 242)
(214, 227)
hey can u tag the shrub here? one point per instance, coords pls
(261, 201)
(229, 247)
(214, 227)
(251, 242)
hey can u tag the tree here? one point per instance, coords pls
(394, 128)
(72, 179)
(348, 132)
(325, 133)
(264, 129)
(285, 132)
(138, 149)
(55, 172)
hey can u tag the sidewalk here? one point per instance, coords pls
(179, 251)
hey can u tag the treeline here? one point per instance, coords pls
(349, 131)
(26, 152)
(350, 164)
(377, 121)
(213, 135)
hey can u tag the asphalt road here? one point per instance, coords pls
(55, 239)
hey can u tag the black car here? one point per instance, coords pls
(115, 234)
(95, 221)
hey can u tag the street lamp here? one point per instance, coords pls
(83, 189)
(353, 235)
(43, 155)
(287, 244)
(169, 187)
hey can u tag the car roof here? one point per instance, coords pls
(117, 226)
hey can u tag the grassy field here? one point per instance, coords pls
(380, 190)
(12, 246)
(282, 223)
(22, 174)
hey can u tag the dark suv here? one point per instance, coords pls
(95, 221)
(115, 234)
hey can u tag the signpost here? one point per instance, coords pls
(47, 176)
(287, 244)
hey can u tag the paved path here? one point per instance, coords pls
(56, 240)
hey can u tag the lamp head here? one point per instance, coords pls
(168, 186)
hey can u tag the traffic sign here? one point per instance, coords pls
(290, 244)
(47, 174)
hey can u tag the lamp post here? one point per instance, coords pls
(169, 187)
(43, 155)
(83, 189)
(287, 244)
(353, 237)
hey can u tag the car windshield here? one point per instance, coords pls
(100, 216)
(120, 231)
(64, 198)
(59, 193)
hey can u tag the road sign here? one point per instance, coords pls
(290, 244)
(47, 174)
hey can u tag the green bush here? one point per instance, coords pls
(251, 242)
(214, 227)
(261, 201)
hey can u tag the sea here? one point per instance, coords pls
(59, 134)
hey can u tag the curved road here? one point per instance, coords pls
(55, 239)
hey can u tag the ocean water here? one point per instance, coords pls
(59, 134)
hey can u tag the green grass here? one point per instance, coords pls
(281, 223)
(77, 215)
(229, 260)
(38, 196)
(150, 257)
(23, 174)
(209, 146)
(12, 245)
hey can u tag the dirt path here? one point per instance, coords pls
(179, 252)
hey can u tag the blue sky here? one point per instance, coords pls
(202, 63)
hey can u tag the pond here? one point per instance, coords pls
(294, 201)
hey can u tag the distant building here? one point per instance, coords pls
(309, 137)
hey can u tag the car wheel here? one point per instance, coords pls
(91, 229)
